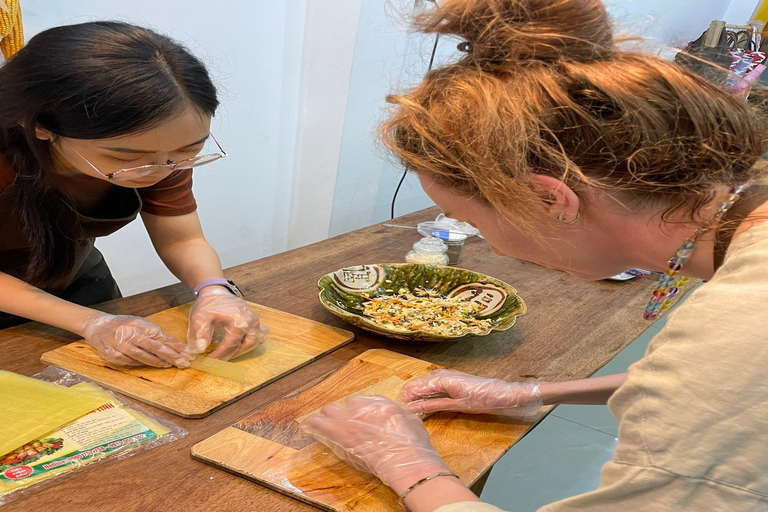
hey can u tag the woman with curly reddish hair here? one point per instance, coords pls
(566, 151)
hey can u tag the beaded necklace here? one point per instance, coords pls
(670, 283)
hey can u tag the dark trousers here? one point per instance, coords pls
(90, 286)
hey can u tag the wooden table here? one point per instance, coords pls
(572, 328)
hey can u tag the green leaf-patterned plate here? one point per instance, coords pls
(342, 293)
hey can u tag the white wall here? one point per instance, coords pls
(328, 50)
(302, 87)
(674, 22)
(740, 11)
(386, 58)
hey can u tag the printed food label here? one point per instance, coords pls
(107, 429)
(18, 472)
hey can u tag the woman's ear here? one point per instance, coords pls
(43, 134)
(560, 199)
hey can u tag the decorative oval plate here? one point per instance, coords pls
(345, 291)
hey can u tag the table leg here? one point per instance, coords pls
(479, 484)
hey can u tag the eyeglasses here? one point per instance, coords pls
(130, 173)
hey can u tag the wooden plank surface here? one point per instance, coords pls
(269, 448)
(572, 328)
(191, 393)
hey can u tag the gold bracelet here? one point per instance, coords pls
(427, 478)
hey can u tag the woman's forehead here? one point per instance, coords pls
(181, 131)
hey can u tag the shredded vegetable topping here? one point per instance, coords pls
(426, 310)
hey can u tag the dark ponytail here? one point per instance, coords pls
(87, 81)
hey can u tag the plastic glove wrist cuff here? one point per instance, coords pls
(218, 281)
(427, 478)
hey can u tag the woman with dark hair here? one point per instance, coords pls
(100, 122)
(568, 152)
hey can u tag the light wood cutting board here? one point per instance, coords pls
(268, 447)
(293, 342)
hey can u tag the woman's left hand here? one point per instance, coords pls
(240, 329)
(376, 435)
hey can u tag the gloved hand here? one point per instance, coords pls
(375, 435)
(446, 390)
(240, 329)
(133, 341)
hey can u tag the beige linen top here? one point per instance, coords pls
(693, 413)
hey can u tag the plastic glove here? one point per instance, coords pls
(133, 341)
(240, 329)
(446, 390)
(376, 435)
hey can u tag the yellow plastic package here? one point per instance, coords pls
(31, 407)
(110, 429)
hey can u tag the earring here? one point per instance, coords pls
(561, 219)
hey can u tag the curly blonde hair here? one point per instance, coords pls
(544, 89)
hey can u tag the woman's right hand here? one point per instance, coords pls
(376, 435)
(446, 390)
(133, 341)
